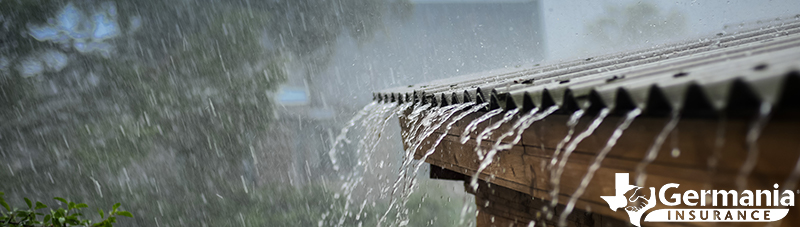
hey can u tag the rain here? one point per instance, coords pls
(381, 112)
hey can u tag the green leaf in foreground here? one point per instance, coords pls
(125, 213)
(61, 199)
(39, 205)
(3, 202)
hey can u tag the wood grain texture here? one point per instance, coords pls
(524, 167)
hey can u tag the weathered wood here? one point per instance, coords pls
(524, 168)
(501, 206)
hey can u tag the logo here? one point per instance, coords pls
(631, 197)
(713, 205)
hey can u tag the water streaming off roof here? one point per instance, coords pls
(737, 78)
(258, 113)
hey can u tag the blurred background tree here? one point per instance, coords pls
(635, 24)
(160, 104)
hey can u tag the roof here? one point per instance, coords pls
(708, 76)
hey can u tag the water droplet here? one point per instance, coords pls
(675, 152)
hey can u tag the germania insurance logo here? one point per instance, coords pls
(717, 205)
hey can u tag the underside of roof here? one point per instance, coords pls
(735, 73)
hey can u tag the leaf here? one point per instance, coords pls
(28, 201)
(100, 211)
(71, 206)
(40, 205)
(116, 206)
(125, 213)
(61, 220)
(72, 220)
(61, 199)
(22, 213)
(3, 202)
(81, 205)
(47, 218)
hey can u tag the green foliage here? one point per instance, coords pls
(190, 90)
(70, 216)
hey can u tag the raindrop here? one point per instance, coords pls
(675, 152)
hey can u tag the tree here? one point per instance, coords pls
(155, 100)
(635, 24)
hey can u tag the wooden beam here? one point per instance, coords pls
(524, 168)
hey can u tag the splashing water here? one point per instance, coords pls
(652, 152)
(519, 127)
(373, 120)
(450, 126)
(411, 122)
(431, 122)
(426, 126)
(440, 116)
(752, 147)
(487, 159)
(474, 124)
(571, 123)
(414, 140)
(342, 137)
(555, 179)
(598, 160)
(489, 130)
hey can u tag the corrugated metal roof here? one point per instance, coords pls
(726, 72)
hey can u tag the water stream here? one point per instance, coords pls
(555, 178)
(372, 124)
(474, 124)
(432, 120)
(571, 123)
(517, 128)
(716, 154)
(487, 158)
(523, 123)
(429, 123)
(751, 139)
(598, 160)
(342, 137)
(422, 121)
(440, 117)
(654, 149)
(449, 126)
(488, 131)
(791, 182)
